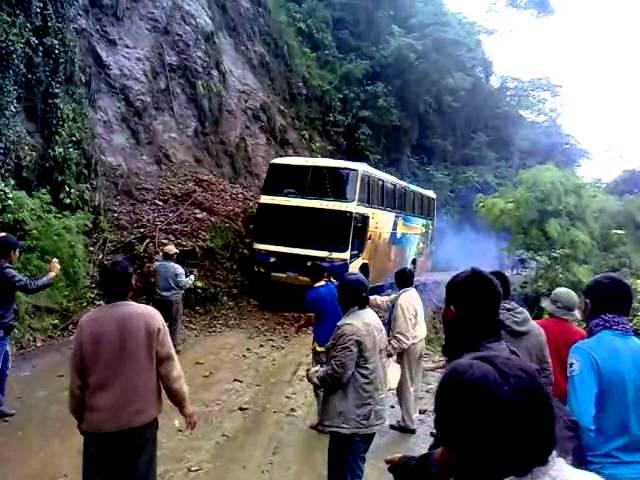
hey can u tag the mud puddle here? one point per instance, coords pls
(254, 407)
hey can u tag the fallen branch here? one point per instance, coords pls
(182, 209)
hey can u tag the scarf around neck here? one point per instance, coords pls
(609, 322)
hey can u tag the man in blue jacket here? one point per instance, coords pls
(12, 282)
(171, 282)
(604, 381)
(323, 313)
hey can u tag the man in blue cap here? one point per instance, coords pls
(12, 282)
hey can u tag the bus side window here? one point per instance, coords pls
(380, 196)
(417, 202)
(410, 199)
(423, 205)
(432, 208)
(390, 196)
(363, 196)
(400, 198)
(359, 236)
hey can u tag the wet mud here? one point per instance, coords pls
(254, 408)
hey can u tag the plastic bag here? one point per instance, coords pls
(393, 374)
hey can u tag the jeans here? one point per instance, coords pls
(125, 455)
(347, 455)
(5, 366)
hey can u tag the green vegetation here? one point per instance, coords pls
(48, 234)
(571, 228)
(45, 161)
(407, 86)
(44, 129)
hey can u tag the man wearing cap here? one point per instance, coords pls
(12, 282)
(171, 282)
(323, 313)
(353, 380)
(563, 309)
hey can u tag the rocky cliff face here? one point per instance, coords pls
(193, 82)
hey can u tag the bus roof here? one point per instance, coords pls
(360, 166)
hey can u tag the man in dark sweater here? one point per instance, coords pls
(472, 325)
(12, 282)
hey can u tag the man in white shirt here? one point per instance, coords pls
(407, 332)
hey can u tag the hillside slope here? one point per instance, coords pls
(186, 81)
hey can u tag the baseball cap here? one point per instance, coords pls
(170, 250)
(9, 243)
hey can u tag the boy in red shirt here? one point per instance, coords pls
(561, 334)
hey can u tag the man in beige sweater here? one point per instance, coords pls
(407, 330)
(122, 358)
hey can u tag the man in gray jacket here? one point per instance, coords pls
(353, 381)
(171, 282)
(522, 333)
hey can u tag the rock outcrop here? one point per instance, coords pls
(194, 82)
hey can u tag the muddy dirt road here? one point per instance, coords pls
(253, 402)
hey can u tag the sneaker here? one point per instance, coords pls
(6, 413)
(402, 429)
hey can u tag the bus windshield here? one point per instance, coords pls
(302, 181)
(301, 227)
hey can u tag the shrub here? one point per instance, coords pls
(48, 233)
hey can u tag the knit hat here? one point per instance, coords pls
(563, 303)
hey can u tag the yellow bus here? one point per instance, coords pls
(348, 216)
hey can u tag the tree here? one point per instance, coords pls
(407, 86)
(573, 229)
(627, 183)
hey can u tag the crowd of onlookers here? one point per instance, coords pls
(519, 399)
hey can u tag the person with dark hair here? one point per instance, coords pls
(171, 282)
(323, 314)
(563, 309)
(122, 359)
(12, 282)
(522, 333)
(353, 380)
(604, 382)
(407, 331)
(476, 403)
(471, 315)
(471, 325)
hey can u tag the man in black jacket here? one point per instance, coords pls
(12, 282)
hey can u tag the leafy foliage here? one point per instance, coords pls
(571, 228)
(48, 233)
(44, 128)
(627, 183)
(407, 86)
